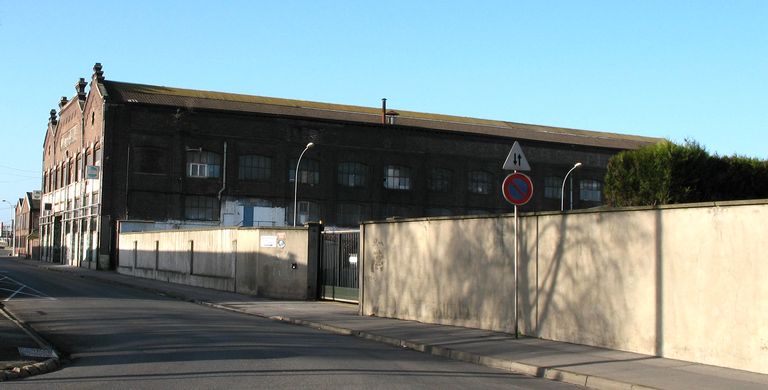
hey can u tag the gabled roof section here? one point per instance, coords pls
(179, 97)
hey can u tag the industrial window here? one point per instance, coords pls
(255, 167)
(479, 182)
(97, 155)
(349, 214)
(79, 174)
(88, 157)
(437, 212)
(65, 174)
(591, 190)
(396, 210)
(309, 171)
(352, 174)
(553, 187)
(308, 211)
(149, 160)
(202, 208)
(203, 164)
(440, 180)
(397, 177)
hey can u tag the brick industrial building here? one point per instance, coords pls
(171, 157)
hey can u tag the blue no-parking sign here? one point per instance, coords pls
(517, 188)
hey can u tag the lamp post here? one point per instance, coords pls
(562, 192)
(13, 228)
(296, 182)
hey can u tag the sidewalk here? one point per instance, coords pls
(22, 354)
(577, 364)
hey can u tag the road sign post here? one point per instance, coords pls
(517, 189)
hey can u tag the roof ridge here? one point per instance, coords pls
(404, 115)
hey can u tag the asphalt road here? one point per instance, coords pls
(122, 338)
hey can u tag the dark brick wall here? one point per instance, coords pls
(169, 131)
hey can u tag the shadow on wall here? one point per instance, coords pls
(247, 273)
(454, 272)
(583, 281)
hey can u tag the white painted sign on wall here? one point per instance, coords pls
(268, 241)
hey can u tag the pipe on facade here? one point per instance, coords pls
(224, 172)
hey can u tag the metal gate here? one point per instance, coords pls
(338, 277)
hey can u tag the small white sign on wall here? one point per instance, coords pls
(353, 258)
(268, 241)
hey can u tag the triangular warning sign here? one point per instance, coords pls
(516, 159)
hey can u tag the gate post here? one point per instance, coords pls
(314, 242)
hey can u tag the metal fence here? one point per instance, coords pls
(338, 265)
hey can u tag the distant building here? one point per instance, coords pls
(134, 156)
(26, 231)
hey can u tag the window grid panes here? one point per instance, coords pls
(202, 208)
(309, 172)
(352, 174)
(255, 167)
(349, 214)
(479, 182)
(553, 187)
(397, 177)
(203, 164)
(591, 190)
(308, 212)
(440, 180)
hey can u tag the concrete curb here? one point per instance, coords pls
(44, 367)
(554, 374)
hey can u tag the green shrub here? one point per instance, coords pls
(668, 173)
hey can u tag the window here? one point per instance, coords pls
(308, 211)
(437, 212)
(309, 172)
(254, 167)
(398, 211)
(352, 174)
(479, 182)
(202, 208)
(97, 156)
(440, 180)
(349, 214)
(397, 177)
(553, 187)
(203, 164)
(591, 190)
(149, 160)
(79, 174)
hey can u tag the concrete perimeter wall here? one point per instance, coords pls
(687, 282)
(244, 260)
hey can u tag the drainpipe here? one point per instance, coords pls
(224, 178)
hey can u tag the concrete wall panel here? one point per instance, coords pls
(684, 282)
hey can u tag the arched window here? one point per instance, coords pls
(553, 187)
(309, 171)
(352, 174)
(440, 180)
(591, 190)
(479, 182)
(255, 167)
(397, 177)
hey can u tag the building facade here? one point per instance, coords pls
(131, 156)
(26, 230)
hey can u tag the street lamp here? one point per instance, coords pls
(296, 182)
(562, 192)
(13, 228)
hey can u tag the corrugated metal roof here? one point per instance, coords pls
(179, 97)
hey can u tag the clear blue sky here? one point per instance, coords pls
(672, 69)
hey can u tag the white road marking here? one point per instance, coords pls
(23, 286)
